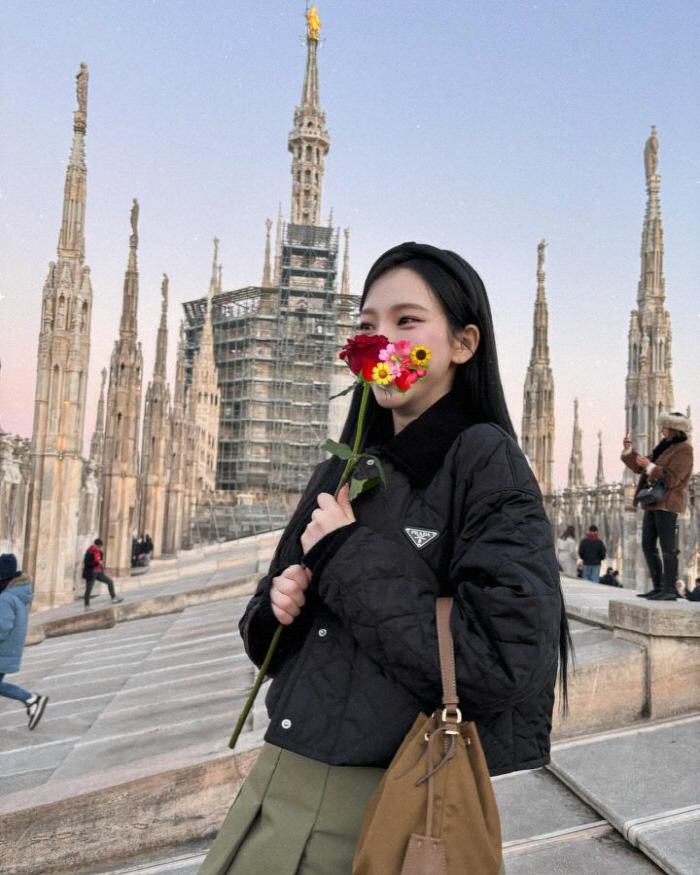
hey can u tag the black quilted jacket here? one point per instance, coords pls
(462, 514)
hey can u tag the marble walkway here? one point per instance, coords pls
(154, 696)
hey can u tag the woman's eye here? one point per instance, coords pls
(410, 318)
(365, 326)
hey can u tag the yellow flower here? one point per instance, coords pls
(381, 374)
(420, 356)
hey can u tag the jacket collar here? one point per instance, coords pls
(419, 450)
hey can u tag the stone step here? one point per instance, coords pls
(645, 781)
(608, 686)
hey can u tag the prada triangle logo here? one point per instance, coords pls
(421, 537)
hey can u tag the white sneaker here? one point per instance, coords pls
(35, 708)
(117, 599)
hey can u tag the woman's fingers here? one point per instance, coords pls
(287, 593)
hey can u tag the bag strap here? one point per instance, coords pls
(450, 700)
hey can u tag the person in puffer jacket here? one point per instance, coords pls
(15, 598)
(355, 584)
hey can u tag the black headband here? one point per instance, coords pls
(468, 279)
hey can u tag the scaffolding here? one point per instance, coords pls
(275, 350)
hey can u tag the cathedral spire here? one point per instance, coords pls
(600, 474)
(214, 281)
(278, 248)
(652, 286)
(649, 383)
(345, 282)
(71, 240)
(129, 324)
(267, 269)
(159, 369)
(576, 477)
(98, 436)
(537, 433)
(309, 141)
(540, 342)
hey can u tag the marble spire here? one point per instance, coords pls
(345, 281)
(537, 432)
(119, 516)
(267, 268)
(50, 544)
(576, 475)
(309, 141)
(649, 382)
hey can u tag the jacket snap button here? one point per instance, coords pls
(323, 632)
(286, 723)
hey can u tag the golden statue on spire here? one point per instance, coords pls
(313, 24)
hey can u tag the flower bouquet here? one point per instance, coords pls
(373, 360)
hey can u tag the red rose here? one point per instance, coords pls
(368, 365)
(404, 381)
(361, 348)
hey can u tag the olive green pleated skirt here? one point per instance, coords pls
(293, 816)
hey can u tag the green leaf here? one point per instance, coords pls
(359, 486)
(343, 451)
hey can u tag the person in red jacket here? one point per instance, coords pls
(92, 571)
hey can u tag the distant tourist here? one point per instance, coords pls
(566, 551)
(670, 465)
(92, 571)
(148, 548)
(15, 597)
(592, 552)
(608, 578)
(693, 595)
(616, 578)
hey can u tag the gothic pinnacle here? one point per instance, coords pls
(266, 278)
(71, 239)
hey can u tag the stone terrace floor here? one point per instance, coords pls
(158, 693)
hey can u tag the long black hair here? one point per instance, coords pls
(477, 383)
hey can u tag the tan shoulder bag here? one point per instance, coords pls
(434, 811)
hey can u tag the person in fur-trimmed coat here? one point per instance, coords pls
(672, 459)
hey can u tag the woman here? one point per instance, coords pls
(358, 659)
(566, 551)
(672, 459)
(15, 597)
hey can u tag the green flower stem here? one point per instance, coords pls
(276, 637)
(350, 464)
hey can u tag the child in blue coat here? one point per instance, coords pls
(15, 597)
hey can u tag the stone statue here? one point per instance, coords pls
(651, 154)
(81, 80)
(135, 223)
(540, 254)
(164, 292)
(61, 314)
(313, 25)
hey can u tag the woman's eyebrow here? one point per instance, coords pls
(369, 310)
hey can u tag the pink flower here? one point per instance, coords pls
(386, 353)
(402, 348)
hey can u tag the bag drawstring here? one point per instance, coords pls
(429, 775)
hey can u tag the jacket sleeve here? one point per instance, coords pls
(259, 624)
(630, 459)
(7, 617)
(580, 554)
(676, 469)
(506, 612)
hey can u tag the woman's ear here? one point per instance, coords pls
(465, 344)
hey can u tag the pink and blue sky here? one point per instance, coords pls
(479, 126)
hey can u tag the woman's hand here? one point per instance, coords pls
(643, 461)
(328, 516)
(287, 593)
